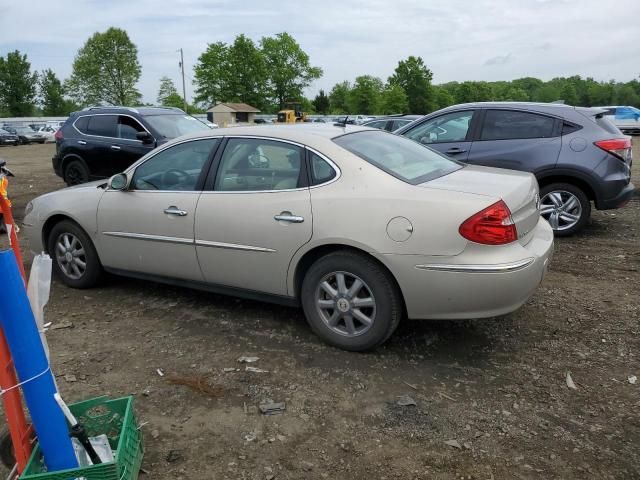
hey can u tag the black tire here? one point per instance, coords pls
(565, 230)
(382, 287)
(7, 453)
(76, 172)
(92, 271)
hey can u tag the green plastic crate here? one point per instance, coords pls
(116, 419)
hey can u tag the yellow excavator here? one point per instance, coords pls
(292, 113)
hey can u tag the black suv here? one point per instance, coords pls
(99, 142)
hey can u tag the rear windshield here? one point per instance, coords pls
(398, 156)
(172, 126)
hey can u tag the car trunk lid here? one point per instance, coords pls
(519, 190)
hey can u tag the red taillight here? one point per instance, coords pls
(491, 226)
(620, 147)
(58, 135)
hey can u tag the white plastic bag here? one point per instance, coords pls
(38, 291)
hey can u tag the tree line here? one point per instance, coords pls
(269, 74)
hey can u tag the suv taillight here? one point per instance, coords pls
(620, 147)
(58, 135)
(491, 226)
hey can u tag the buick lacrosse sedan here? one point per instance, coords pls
(358, 226)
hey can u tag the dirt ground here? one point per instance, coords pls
(495, 390)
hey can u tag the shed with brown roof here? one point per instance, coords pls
(225, 114)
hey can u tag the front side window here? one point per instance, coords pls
(128, 127)
(511, 124)
(321, 170)
(176, 168)
(398, 156)
(102, 125)
(451, 127)
(250, 164)
(175, 125)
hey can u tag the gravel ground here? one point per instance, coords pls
(491, 398)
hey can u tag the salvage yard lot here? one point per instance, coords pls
(495, 387)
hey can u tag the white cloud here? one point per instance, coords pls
(458, 39)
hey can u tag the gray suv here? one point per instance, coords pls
(577, 155)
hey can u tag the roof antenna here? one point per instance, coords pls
(342, 123)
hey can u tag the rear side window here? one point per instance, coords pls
(568, 127)
(321, 171)
(102, 125)
(81, 124)
(510, 124)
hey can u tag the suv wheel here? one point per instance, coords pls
(76, 172)
(350, 301)
(566, 208)
(75, 260)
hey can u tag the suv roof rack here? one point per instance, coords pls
(131, 109)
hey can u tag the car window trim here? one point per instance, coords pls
(556, 130)
(201, 178)
(335, 168)
(73, 124)
(210, 182)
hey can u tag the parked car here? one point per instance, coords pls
(576, 154)
(26, 135)
(49, 134)
(100, 141)
(7, 138)
(319, 120)
(358, 226)
(626, 118)
(391, 123)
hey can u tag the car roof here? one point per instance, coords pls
(304, 133)
(402, 116)
(144, 111)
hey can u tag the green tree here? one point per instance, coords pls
(289, 70)
(413, 76)
(51, 94)
(366, 95)
(321, 103)
(17, 85)
(339, 96)
(106, 70)
(473, 92)
(168, 95)
(246, 77)
(442, 96)
(211, 74)
(394, 100)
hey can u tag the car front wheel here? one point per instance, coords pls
(566, 207)
(75, 260)
(350, 301)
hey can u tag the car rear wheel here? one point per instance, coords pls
(566, 207)
(75, 260)
(75, 173)
(350, 301)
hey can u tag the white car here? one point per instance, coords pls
(49, 133)
(626, 118)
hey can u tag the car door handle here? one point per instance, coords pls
(288, 217)
(454, 150)
(115, 147)
(172, 210)
(81, 142)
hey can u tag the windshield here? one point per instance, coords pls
(25, 130)
(398, 156)
(172, 126)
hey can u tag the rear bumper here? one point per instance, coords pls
(480, 282)
(619, 200)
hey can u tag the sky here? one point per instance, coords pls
(458, 39)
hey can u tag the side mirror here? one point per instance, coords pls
(119, 182)
(144, 137)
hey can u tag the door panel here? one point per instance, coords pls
(257, 216)
(136, 234)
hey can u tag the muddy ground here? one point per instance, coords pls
(494, 389)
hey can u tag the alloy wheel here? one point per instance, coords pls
(71, 256)
(75, 176)
(345, 304)
(561, 209)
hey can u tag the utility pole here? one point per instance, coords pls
(184, 89)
